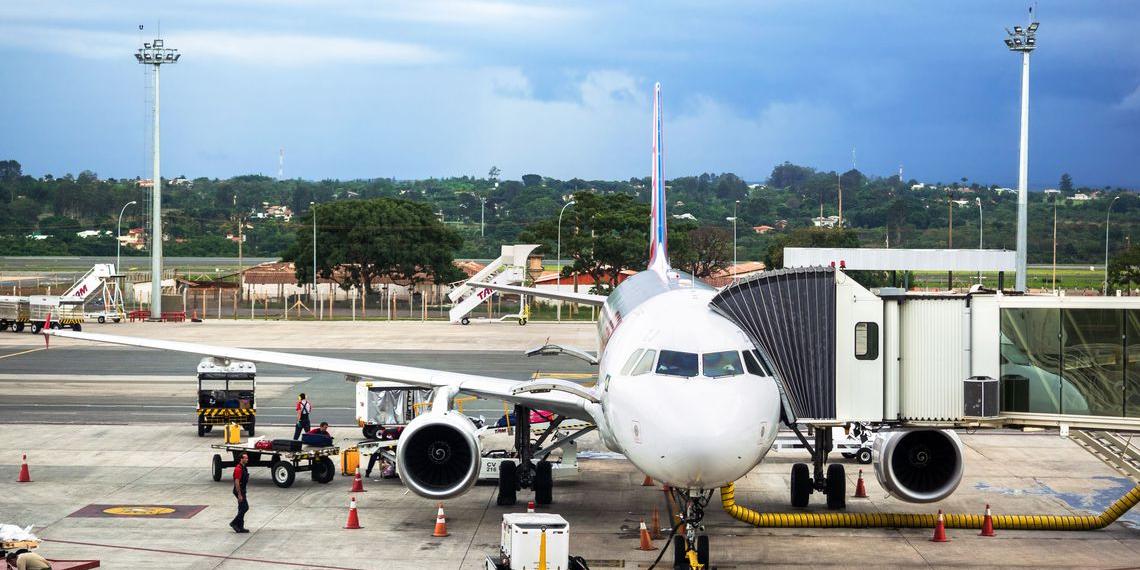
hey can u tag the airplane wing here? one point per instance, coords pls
(484, 386)
(584, 298)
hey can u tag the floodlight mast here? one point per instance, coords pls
(1023, 40)
(156, 54)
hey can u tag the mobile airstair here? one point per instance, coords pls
(508, 269)
(101, 285)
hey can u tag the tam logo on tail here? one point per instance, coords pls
(658, 229)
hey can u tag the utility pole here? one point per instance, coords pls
(1023, 41)
(154, 53)
(119, 236)
(839, 184)
(313, 209)
(1054, 243)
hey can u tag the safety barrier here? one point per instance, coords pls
(916, 520)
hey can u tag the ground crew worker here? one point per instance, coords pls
(304, 408)
(241, 477)
(25, 560)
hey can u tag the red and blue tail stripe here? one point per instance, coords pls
(658, 230)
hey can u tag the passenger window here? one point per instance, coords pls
(645, 364)
(676, 363)
(866, 341)
(721, 364)
(632, 360)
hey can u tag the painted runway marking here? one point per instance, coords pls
(19, 353)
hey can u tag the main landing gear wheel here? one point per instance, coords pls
(801, 485)
(508, 484)
(283, 474)
(217, 467)
(836, 487)
(543, 483)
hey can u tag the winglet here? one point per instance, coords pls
(658, 230)
(45, 329)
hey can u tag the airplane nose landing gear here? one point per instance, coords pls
(691, 548)
(833, 485)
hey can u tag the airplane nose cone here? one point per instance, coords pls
(715, 433)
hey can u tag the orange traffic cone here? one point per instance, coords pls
(530, 507)
(357, 483)
(646, 543)
(860, 488)
(648, 482)
(440, 523)
(25, 476)
(939, 530)
(988, 524)
(655, 523)
(353, 518)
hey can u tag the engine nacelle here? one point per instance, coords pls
(919, 465)
(438, 455)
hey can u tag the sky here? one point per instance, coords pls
(435, 88)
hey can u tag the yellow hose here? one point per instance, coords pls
(905, 520)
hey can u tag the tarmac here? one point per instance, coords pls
(161, 461)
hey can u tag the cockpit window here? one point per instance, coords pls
(721, 364)
(632, 360)
(645, 364)
(676, 363)
(756, 363)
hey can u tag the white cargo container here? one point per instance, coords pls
(13, 312)
(521, 542)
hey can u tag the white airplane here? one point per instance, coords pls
(682, 391)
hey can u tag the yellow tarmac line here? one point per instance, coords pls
(19, 353)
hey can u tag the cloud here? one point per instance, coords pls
(1130, 102)
(239, 46)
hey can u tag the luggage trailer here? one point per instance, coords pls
(283, 464)
(14, 313)
(226, 391)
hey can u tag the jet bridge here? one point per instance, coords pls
(846, 354)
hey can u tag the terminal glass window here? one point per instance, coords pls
(721, 364)
(676, 363)
(1031, 360)
(1132, 364)
(1092, 362)
(645, 364)
(866, 341)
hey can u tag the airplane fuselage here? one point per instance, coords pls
(682, 393)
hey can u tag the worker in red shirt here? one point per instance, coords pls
(241, 477)
(304, 408)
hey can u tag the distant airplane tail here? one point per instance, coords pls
(658, 230)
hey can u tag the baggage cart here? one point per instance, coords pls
(226, 394)
(14, 313)
(283, 465)
(61, 313)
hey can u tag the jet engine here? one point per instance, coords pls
(918, 465)
(438, 455)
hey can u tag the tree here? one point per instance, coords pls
(809, 237)
(494, 173)
(530, 180)
(1124, 269)
(362, 241)
(705, 251)
(1066, 183)
(603, 234)
(10, 170)
(787, 175)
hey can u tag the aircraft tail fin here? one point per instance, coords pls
(658, 230)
